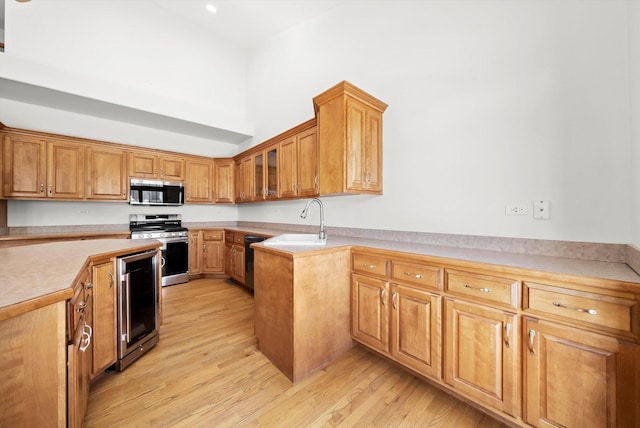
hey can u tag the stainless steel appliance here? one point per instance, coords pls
(166, 228)
(138, 303)
(156, 192)
(248, 258)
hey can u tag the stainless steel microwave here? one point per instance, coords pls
(156, 192)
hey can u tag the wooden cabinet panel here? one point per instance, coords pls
(107, 170)
(199, 180)
(369, 264)
(307, 163)
(370, 311)
(244, 180)
(481, 346)
(224, 181)
(213, 256)
(288, 168)
(195, 252)
(105, 322)
(65, 167)
(237, 263)
(171, 168)
(416, 273)
(576, 379)
(415, 332)
(25, 166)
(490, 289)
(143, 165)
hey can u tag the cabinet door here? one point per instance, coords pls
(25, 167)
(107, 169)
(171, 168)
(415, 329)
(213, 256)
(195, 252)
(238, 263)
(288, 168)
(364, 148)
(65, 170)
(307, 164)
(578, 379)
(245, 180)
(228, 262)
(199, 181)
(223, 181)
(143, 165)
(481, 351)
(271, 173)
(259, 190)
(370, 311)
(104, 322)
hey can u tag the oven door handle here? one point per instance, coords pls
(127, 296)
(177, 240)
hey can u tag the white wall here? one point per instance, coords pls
(490, 103)
(634, 80)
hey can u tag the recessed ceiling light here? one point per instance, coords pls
(211, 8)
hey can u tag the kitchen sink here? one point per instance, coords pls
(296, 239)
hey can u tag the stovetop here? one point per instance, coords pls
(153, 226)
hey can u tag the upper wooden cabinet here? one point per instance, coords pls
(107, 172)
(199, 180)
(245, 179)
(350, 140)
(42, 168)
(223, 170)
(150, 164)
(266, 174)
(299, 163)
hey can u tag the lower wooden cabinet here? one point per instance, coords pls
(481, 345)
(195, 252)
(577, 379)
(213, 251)
(104, 325)
(234, 255)
(370, 311)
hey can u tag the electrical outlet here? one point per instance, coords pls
(515, 209)
(84, 211)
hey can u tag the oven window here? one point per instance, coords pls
(175, 257)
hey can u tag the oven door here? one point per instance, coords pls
(175, 260)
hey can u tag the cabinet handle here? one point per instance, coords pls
(383, 293)
(532, 334)
(50, 189)
(507, 335)
(484, 290)
(204, 248)
(41, 187)
(80, 306)
(394, 300)
(369, 266)
(112, 279)
(316, 181)
(87, 336)
(415, 275)
(588, 311)
(88, 285)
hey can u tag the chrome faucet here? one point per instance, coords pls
(323, 234)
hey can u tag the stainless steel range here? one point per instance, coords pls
(166, 228)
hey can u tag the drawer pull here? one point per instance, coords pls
(369, 266)
(80, 306)
(415, 275)
(394, 300)
(532, 334)
(588, 311)
(383, 293)
(507, 335)
(484, 290)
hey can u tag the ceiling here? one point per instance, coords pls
(246, 22)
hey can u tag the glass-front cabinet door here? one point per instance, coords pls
(258, 168)
(271, 174)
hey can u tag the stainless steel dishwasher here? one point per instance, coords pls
(248, 258)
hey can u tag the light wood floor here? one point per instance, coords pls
(207, 372)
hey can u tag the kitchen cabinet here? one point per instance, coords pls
(195, 252)
(370, 312)
(42, 168)
(244, 179)
(107, 171)
(105, 325)
(199, 181)
(234, 255)
(294, 331)
(213, 251)
(575, 379)
(265, 168)
(34, 368)
(224, 169)
(155, 165)
(481, 346)
(299, 164)
(349, 140)
(80, 349)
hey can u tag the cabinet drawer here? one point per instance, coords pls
(370, 264)
(415, 273)
(212, 235)
(238, 238)
(572, 305)
(228, 237)
(493, 289)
